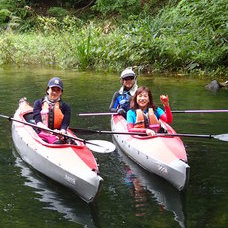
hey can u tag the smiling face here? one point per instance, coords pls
(54, 93)
(143, 100)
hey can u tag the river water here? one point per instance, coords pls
(29, 199)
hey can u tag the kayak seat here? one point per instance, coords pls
(29, 118)
(71, 141)
(158, 128)
(66, 141)
(59, 142)
(162, 130)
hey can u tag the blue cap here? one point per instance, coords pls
(55, 82)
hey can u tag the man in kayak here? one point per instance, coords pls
(51, 112)
(144, 115)
(121, 99)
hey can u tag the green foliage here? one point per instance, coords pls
(6, 50)
(118, 6)
(47, 25)
(4, 15)
(12, 5)
(12, 13)
(130, 7)
(83, 51)
(191, 36)
(58, 12)
(51, 25)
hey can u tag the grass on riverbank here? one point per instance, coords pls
(191, 37)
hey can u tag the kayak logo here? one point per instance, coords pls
(162, 169)
(70, 179)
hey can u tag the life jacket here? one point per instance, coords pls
(124, 101)
(145, 121)
(125, 96)
(53, 115)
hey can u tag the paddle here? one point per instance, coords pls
(177, 111)
(222, 137)
(201, 111)
(100, 146)
(91, 132)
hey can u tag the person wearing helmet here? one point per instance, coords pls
(121, 99)
(51, 112)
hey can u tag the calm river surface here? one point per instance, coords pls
(29, 199)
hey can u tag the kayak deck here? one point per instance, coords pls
(164, 156)
(71, 165)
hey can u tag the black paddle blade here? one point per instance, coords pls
(222, 137)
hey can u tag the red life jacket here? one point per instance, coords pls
(52, 115)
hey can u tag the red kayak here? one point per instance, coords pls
(164, 156)
(72, 165)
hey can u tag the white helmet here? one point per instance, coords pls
(128, 72)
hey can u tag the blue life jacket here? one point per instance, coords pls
(124, 101)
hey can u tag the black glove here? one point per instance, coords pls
(121, 111)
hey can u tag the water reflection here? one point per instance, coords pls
(136, 190)
(72, 210)
(141, 181)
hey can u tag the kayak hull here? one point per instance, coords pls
(70, 165)
(164, 156)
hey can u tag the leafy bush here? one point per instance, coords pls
(4, 15)
(130, 7)
(118, 6)
(12, 5)
(58, 12)
(191, 36)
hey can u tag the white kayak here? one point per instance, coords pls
(73, 166)
(163, 156)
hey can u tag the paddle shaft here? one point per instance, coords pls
(200, 111)
(45, 129)
(219, 137)
(222, 137)
(81, 130)
(90, 131)
(177, 111)
(185, 135)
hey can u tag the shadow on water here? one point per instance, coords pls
(140, 181)
(54, 199)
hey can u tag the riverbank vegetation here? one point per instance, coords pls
(180, 36)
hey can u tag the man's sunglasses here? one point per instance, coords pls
(129, 78)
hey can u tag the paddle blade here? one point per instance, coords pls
(100, 146)
(222, 137)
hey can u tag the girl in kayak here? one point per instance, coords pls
(51, 112)
(121, 99)
(144, 115)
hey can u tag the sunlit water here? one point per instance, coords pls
(130, 197)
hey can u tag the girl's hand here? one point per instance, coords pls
(150, 132)
(164, 100)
